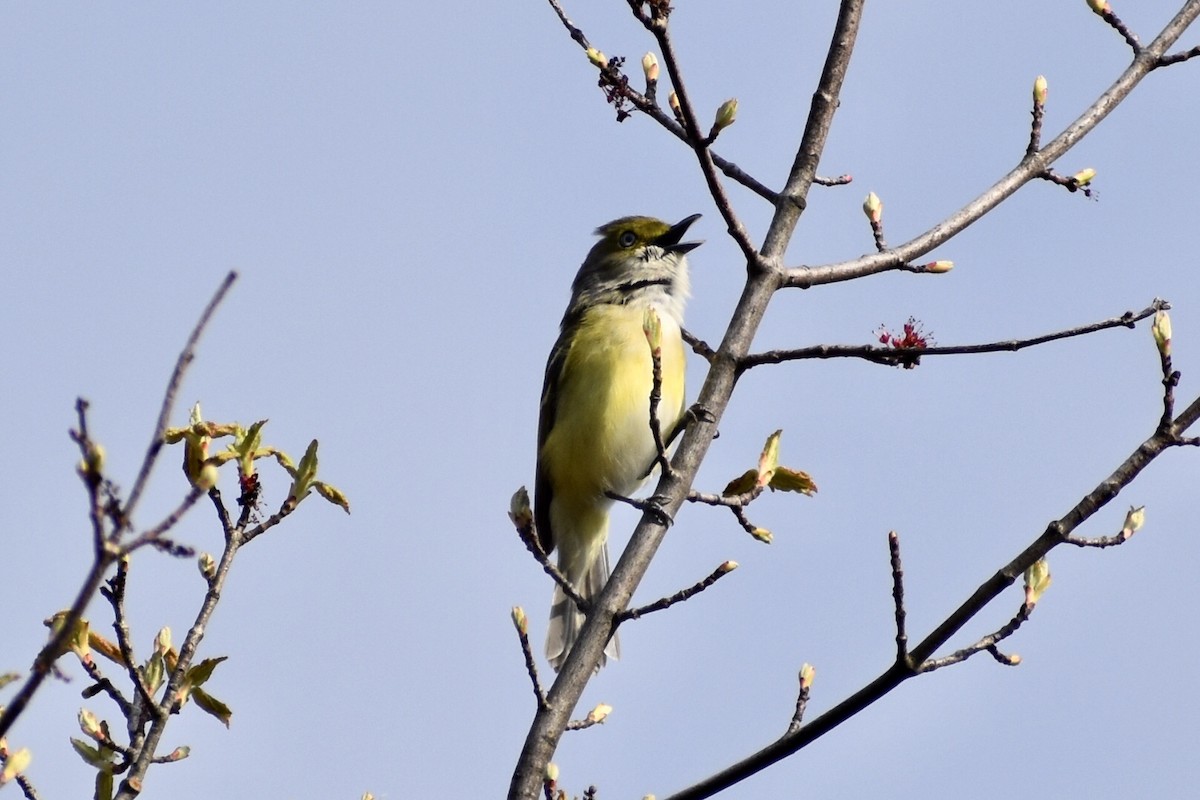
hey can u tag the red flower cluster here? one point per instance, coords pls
(912, 338)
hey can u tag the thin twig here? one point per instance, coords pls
(529, 537)
(142, 750)
(683, 594)
(806, 673)
(168, 522)
(115, 594)
(1035, 128)
(988, 643)
(103, 684)
(1029, 169)
(1117, 24)
(697, 142)
(890, 356)
(164, 414)
(1178, 58)
(698, 345)
(898, 597)
(530, 663)
(1099, 541)
(648, 105)
(656, 382)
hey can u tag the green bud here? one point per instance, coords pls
(1161, 329)
(726, 114)
(207, 565)
(518, 508)
(873, 208)
(1037, 581)
(652, 327)
(1040, 90)
(1133, 521)
(90, 725)
(162, 642)
(519, 619)
(1084, 176)
(596, 57)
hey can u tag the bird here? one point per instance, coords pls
(594, 435)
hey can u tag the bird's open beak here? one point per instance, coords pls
(669, 241)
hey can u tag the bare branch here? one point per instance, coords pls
(898, 598)
(164, 414)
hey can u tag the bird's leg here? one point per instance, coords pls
(652, 505)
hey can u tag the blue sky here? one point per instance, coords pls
(406, 193)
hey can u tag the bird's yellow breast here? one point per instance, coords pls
(601, 439)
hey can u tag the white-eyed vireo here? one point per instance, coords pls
(594, 434)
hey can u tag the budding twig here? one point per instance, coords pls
(987, 643)
(881, 355)
(683, 594)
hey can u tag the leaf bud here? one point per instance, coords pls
(1037, 581)
(1084, 176)
(1040, 90)
(650, 67)
(1133, 521)
(808, 674)
(873, 208)
(726, 114)
(1162, 331)
(207, 565)
(597, 58)
(599, 713)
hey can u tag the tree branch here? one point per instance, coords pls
(1030, 167)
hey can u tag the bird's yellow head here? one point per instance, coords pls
(638, 259)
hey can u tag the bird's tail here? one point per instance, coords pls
(566, 619)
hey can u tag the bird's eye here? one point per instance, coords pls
(627, 239)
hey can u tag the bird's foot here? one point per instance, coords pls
(652, 505)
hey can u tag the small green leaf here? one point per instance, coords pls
(153, 672)
(199, 673)
(793, 480)
(332, 494)
(305, 474)
(768, 462)
(206, 702)
(93, 756)
(741, 484)
(9, 677)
